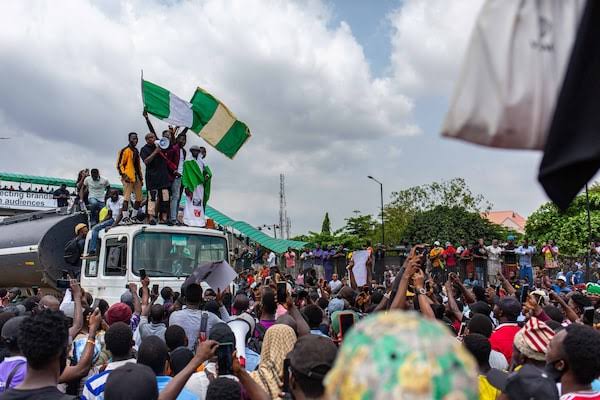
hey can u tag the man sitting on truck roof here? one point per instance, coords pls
(114, 204)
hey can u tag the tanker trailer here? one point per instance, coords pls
(32, 248)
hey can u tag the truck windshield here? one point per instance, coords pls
(175, 254)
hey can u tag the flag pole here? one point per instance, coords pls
(142, 87)
(589, 223)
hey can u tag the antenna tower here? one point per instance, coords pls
(284, 221)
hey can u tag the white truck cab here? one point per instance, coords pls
(167, 253)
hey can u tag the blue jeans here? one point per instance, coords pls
(95, 206)
(96, 231)
(175, 197)
(526, 271)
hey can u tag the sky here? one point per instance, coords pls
(332, 90)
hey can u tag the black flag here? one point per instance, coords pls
(572, 150)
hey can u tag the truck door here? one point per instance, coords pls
(114, 268)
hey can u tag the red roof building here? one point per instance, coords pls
(508, 219)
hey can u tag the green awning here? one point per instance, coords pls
(256, 235)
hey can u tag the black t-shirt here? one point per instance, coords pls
(62, 202)
(46, 393)
(157, 172)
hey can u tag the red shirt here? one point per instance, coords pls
(450, 256)
(503, 337)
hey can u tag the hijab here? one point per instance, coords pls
(278, 342)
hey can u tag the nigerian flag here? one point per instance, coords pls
(204, 114)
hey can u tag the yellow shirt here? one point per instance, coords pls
(487, 391)
(436, 256)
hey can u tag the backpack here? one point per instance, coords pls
(255, 342)
(72, 254)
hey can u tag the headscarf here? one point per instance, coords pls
(401, 355)
(278, 342)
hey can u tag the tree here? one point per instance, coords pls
(569, 229)
(451, 224)
(360, 225)
(400, 213)
(326, 226)
(452, 193)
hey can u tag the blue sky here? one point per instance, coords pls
(333, 91)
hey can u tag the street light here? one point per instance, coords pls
(275, 227)
(382, 221)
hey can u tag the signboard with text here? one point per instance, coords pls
(19, 200)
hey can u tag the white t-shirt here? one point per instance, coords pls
(115, 206)
(181, 160)
(494, 253)
(96, 189)
(335, 286)
(272, 259)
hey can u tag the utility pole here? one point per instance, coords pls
(381, 197)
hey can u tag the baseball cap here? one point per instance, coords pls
(79, 227)
(561, 277)
(529, 383)
(131, 382)
(118, 312)
(195, 148)
(313, 356)
(222, 333)
(400, 354)
(436, 243)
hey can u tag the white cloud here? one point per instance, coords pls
(428, 42)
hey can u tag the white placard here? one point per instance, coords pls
(360, 258)
(26, 200)
(218, 275)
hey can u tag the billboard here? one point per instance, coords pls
(18, 200)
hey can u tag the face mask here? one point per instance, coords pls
(553, 372)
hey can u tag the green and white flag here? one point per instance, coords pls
(204, 114)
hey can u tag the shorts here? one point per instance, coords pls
(132, 187)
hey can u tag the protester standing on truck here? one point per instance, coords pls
(61, 195)
(74, 250)
(96, 186)
(158, 183)
(128, 165)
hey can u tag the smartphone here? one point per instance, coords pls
(155, 289)
(95, 304)
(588, 315)
(35, 290)
(346, 322)
(142, 273)
(281, 292)
(524, 293)
(63, 284)
(286, 378)
(225, 358)
(461, 330)
(65, 274)
(203, 325)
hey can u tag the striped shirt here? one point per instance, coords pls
(94, 386)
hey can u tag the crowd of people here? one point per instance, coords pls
(412, 336)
